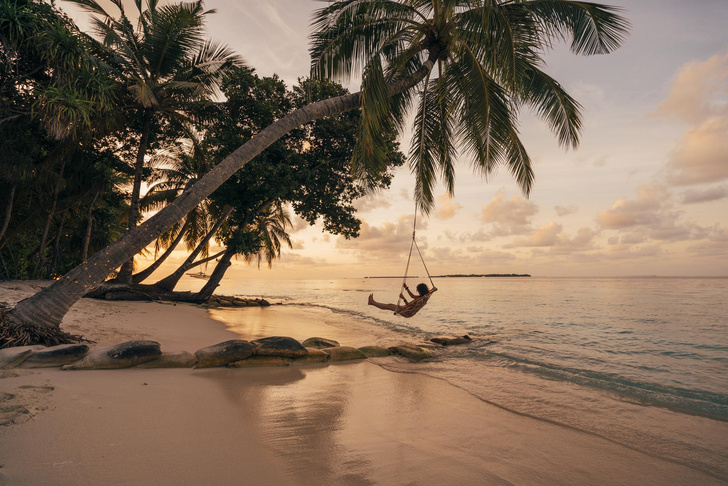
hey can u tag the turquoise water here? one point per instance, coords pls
(638, 361)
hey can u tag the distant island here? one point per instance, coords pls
(459, 275)
(473, 275)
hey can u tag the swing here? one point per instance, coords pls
(412, 307)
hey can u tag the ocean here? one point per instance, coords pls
(641, 362)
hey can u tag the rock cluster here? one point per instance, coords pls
(236, 353)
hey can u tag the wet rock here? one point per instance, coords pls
(314, 356)
(172, 359)
(344, 353)
(452, 340)
(320, 343)
(375, 351)
(124, 355)
(260, 361)
(12, 357)
(56, 356)
(224, 353)
(412, 353)
(279, 346)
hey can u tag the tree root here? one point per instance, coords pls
(12, 334)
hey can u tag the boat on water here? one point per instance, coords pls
(202, 275)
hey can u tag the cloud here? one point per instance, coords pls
(649, 217)
(390, 241)
(644, 210)
(299, 224)
(509, 216)
(701, 155)
(447, 207)
(566, 210)
(696, 92)
(627, 252)
(707, 195)
(550, 235)
(297, 244)
(373, 201)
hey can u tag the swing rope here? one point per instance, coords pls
(409, 258)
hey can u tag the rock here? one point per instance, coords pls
(56, 356)
(259, 361)
(320, 343)
(279, 346)
(124, 355)
(172, 359)
(314, 356)
(412, 353)
(344, 353)
(12, 357)
(375, 351)
(451, 340)
(224, 353)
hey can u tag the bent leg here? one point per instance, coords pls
(373, 302)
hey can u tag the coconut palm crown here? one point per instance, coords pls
(488, 63)
(481, 62)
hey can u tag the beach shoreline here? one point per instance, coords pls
(353, 423)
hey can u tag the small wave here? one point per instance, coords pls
(694, 402)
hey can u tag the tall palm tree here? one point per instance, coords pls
(258, 241)
(167, 66)
(494, 46)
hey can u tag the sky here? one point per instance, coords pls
(645, 193)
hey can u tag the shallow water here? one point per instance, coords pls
(642, 362)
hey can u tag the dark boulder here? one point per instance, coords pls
(224, 353)
(124, 355)
(320, 343)
(279, 346)
(452, 340)
(56, 356)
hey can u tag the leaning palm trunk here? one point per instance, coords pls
(47, 308)
(141, 276)
(169, 282)
(214, 281)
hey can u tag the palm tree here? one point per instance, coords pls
(258, 241)
(169, 70)
(493, 47)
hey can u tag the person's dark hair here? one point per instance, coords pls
(422, 289)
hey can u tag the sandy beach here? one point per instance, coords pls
(353, 423)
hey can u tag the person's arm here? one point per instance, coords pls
(410, 292)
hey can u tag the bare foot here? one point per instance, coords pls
(371, 299)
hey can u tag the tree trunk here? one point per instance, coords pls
(205, 260)
(217, 275)
(8, 213)
(57, 246)
(47, 308)
(141, 276)
(89, 224)
(169, 282)
(125, 273)
(44, 238)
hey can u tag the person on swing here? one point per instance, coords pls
(421, 289)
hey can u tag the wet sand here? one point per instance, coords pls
(354, 423)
